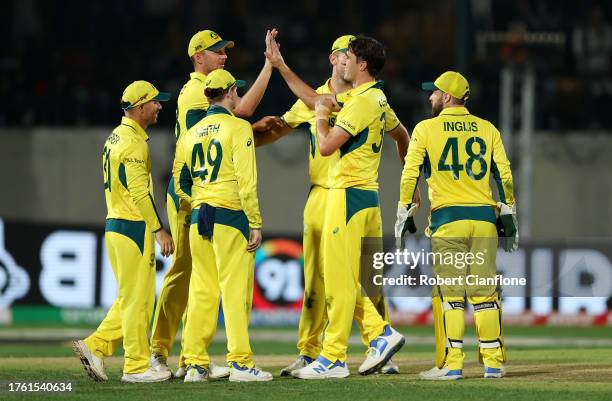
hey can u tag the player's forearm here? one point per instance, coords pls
(271, 135)
(322, 137)
(251, 99)
(250, 205)
(402, 138)
(147, 209)
(299, 88)
(407, 187)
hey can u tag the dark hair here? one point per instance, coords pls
(216, 94)
(371, 51)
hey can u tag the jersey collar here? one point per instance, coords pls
(455, 111)
(366, 86)
(128, 122)
(216, 109)
(198, 75)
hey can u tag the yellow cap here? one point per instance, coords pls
(140, 92)
(207, 40)
(342, 43)
(450, 82)
(222, 79)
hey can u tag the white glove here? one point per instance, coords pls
(404, 223)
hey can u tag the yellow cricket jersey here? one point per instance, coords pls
(191, 108)
(366, 116)
(191, 104)
(215, 164)
(457, 152)
(318, 166)
(127, 175)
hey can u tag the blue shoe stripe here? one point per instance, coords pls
(492, 370)
(455, 372)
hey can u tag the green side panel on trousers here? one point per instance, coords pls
(456, 213)
(134, 230)
(359, 199)
(227, 217)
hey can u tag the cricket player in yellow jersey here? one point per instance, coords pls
(352, 209)
(207, 52)
(217, 174)
(132, 227)
(457, 152)
(313, 317)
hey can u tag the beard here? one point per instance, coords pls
(436, 109)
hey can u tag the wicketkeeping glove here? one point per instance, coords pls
(404, 223)
(507, 227)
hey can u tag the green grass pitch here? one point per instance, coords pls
(538, 369)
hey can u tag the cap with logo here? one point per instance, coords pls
(450, 82)
(342, 43)
(207, 40)
(222, 79)
(140, 92)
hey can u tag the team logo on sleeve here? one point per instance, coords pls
(249, 142)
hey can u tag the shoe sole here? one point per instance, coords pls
(226, 375)
(144, 381)
(336, 376)
(76, 347)
(203, 380)
(234, 380)
(382, 363)
(443, 378)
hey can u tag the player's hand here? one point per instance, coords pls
(267, 123)
(165, 242)
(254, 239)
(404, 223)
(272, 53)
(507, 227)
(323, 107)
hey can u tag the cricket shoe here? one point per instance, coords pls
(148, 376)
(301, 362)
(389, 368)
(218, 372)
(180, 372)
(382, 348)
(322, 368)
(159, 364)
(196, 373)
(242, 373)
(454, 374)
(433, 372)
(494, 373)
(93, 365)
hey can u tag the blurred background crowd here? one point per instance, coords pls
(67, 62)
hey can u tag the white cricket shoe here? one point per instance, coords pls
(382, 348)
(444, 374)
(218, 372)
(196, 373)
(433, 372)
(494, 373)
(180, 372)
(241, 373)
(148, 376)
(93, 365)
(301, 362)
(322, 368)
(159, 364)
(389, 368)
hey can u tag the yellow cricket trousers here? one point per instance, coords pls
(314, 317)
(174, 293)
(131, 250)
(222, 270)
(350, 215)
(461, 231)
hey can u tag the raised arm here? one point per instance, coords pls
(250, 100)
